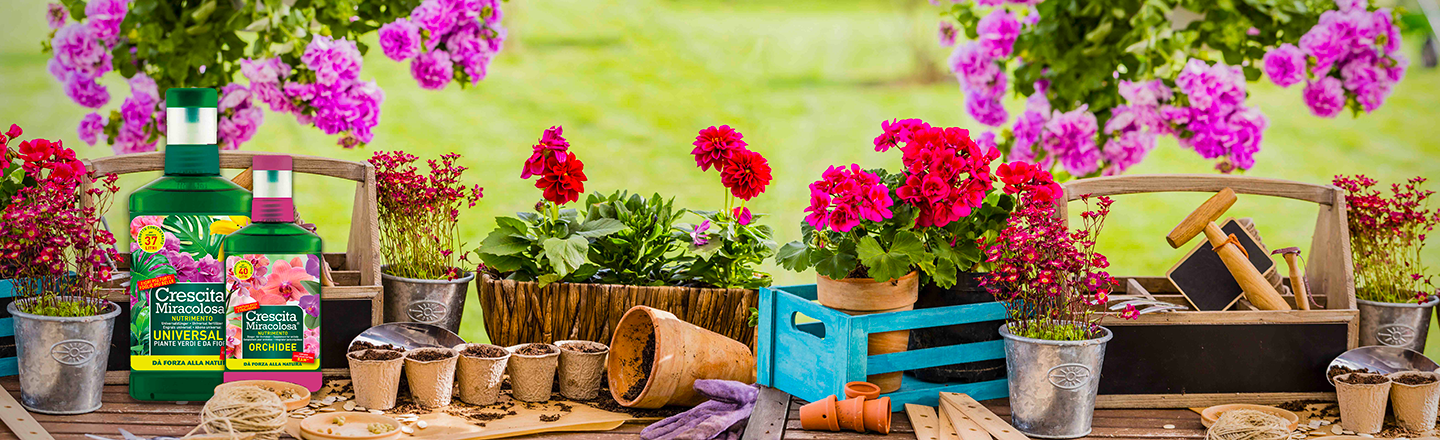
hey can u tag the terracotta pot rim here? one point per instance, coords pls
(912, 274)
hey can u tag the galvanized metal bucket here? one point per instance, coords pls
(1053, 383)
(436, 302)
(1401, 325)
(61, 359)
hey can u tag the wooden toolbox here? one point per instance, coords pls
(812, 351)
(356, 271)
(1194, 358)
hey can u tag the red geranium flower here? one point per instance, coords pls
(36, 150)
(746, 174)
(564, 180)
(714, 146)
(742, 215)
(552, 147)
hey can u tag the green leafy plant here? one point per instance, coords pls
(545, 248)
(641, 253)
(724, 251)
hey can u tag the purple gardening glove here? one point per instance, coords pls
(723, 417)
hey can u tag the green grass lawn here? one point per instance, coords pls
(807, 82)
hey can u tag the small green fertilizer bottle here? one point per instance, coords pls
(273, 281)
(178, 224)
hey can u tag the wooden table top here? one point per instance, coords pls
(150, 419)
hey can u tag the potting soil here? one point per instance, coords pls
(1414, 379)
(1364, 379)
(362, 345)
(1340, 369)
(378, 355)
(431, 355)
(647, 362)
(583, 348)
(535, 350)
(484, 351)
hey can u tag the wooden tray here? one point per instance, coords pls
(356, 271)
(1191, 358)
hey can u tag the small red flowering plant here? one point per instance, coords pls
(727, 245)
(55, 247)
(928, 217)
(1049, 277)
(420, 214)
(551, 244)
(1386, 236)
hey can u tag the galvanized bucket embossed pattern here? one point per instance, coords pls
(436, 302)
(1053, 383)
(1401, 325)
(62, 360)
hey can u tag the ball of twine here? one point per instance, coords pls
(1249, 424)
(243, 410)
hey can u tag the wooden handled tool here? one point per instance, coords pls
(1257, 289)
(1297, 276)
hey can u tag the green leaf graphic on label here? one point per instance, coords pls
(312, 321)
(194, 234)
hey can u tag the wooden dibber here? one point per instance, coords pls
(1257, 289)
(1297, 276)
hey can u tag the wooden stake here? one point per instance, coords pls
(966, 428)
(982, 416)
(924, 420)
(20, 422)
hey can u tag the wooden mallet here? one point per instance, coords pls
(1257, 289)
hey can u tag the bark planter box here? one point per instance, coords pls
(355, 270)
(1188, 358)
(519, 312)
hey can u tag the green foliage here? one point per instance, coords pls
(1053, 331)
(199, 43)
(730, 254)
(1080, 45)
(639, 251)
(893, 248)
(193, 231)
(544, 248)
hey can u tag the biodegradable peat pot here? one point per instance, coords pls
(1053, 383)
(1362, 405)
(582, 365)
(430, 372)
(1415, 400)
(967, 290)
(532, 371)
(655, 359)
(1403, 325)
(480, 371)
(62, 359)
(376, 376)
(864, 296)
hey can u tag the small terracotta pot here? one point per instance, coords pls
(376, 382)
(1415, 405)
(865, 296)
(532, 376)
(877, 415)
(480, 377)
(431, 382)
(819, 415)
(1362, 406)
(851, 413)
(866, 389)
(580, 372)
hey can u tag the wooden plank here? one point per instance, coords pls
(924, 419)
(20, 421)
(935, 356)
(983, 416)
(962, 425)
(1202, 400)
(234, 160)
(1236, 317)
(1162, 183)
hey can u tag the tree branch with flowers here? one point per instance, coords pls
(55, 246)
(1105, 79)
(299, 58)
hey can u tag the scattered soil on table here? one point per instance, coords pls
(431, 355)
(1300, 405)
(647, 362)
(1340, 369)
(378, 355)
(362, 345)
(1414, 379)
(606, 402)
(1364, 379)
(547, 418)
(535, 350)
(484, 351)
(583, 348)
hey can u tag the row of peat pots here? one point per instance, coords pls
(1052, 389)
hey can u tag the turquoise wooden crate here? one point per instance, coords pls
(814, 359)
(8, 364)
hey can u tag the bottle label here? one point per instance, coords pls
(272, 320)
(177, 291)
